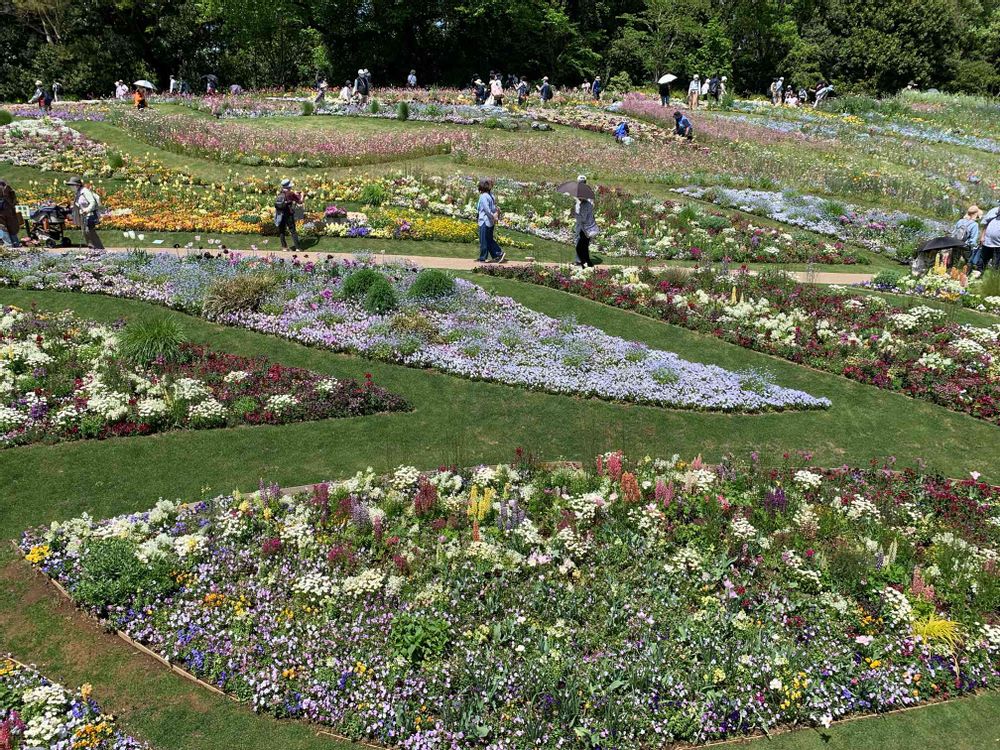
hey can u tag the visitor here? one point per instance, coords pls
(139, 98)
(347, 92)
(823, 90)
(683, 127)
(121, 90)
(235, 89)
(42, 97)
(284, 213)
(803, 96)
(173, 88)
(361, 87)
(966, 230)
(722, 88)
(10, 221)
(989, 243)
(368, 80)
(86, 212)
(489, 215)
(545, 91)
(596, 88)
(585, 228)
(704, 88)
(479, 92)
(713, 87)
(622, 133)
(694, 90)
(522, 91)
(411, 80)
(664, 94)
(777, 89)
(791, 100)
(56, 90)
(321, 89)
(496, 90)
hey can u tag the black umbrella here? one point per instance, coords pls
(576, 189)
(940, 243)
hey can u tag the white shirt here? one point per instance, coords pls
(694, 88)
(85, 201)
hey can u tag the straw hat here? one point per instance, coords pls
(75, 181)
(38, 83)
(974, 212)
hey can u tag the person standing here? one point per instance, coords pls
(10, 222)
(347, 92)
(411, 80)
(139, 98)
(173, 84)
(664, 94)
(496, 90)
(361, 87)
(321, 88)
(596, 88)
(121, 90)
(989, 244)
(967, 230)
(479, 92)
(723, 88)
(713, 87)
(56, 90)
(585, 228)
(694, 90)
(545, 91)
(682, 126)
(42, 97)
(86, 212)
(522, 92)
(489, 215)
(284, 213)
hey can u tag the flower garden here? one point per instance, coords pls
(689, 496)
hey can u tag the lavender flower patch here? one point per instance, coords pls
(469, 333)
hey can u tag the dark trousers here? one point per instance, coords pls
(987, 257)
(90, 235)
(583, 249)
(287, 226)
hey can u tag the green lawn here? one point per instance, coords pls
(454, 421)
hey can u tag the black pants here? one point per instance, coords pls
(287, 225)
(583, 249)
(988, 256)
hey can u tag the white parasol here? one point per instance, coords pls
(145, 85)
(668, 78)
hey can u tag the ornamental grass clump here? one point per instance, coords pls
(431, 283)
(6, 118)
(359, 282)
(152, 340)
(238, 294)
(381, 297)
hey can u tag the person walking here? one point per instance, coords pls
(596, 88)
(989, 243)
(585, 228)
(139, 98)
(121, 90)
(479, 92)
(86, 212)
(10, 221)
(284, 213)
(694, 90)
(682, 126)
(723, 87)
(56, 91)
(545, 91)
(361, 87)
(966, 229)
(714, 84)
(411, 80)
(777, 89)
(489, 215)
(522, 91)
(321, 89)
(174, 88)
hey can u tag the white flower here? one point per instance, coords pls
(236, 376)
(775, 684)
(807, 479)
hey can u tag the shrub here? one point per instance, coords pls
(308, 108)
(6, 118)
(419, 639)
(886, 279)
(433, 110)
(381, 297)
(110, 575)
(152, 340)
(620, 82)
(115, 160)
(239, 294)
(403, 111)
(373, 194)
(432, 283)
(373, 107)
(359, 282)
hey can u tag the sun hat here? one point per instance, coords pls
(724, 78)
(581, 178)
(286, 183)
(38, 83)
(545, 78)
(696, 77)
(361, 71)
(75, 181)
(478, 81)
(974, 212)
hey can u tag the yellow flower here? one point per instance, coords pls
(37, 553)
(86, 690)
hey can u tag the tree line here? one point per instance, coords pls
(875, 47)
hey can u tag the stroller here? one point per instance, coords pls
(48, 225)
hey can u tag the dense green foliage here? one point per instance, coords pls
(149, 340)
(878, 47)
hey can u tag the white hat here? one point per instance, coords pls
(545, 78)
(581, 178)
(696, 77)
(361, 71)
(38, 83)
(724, 78)
(286, 183)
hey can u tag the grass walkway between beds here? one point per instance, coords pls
(454, 421)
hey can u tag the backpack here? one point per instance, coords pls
(713, 86)
(963, 231)
(281, 202)
(362, 85)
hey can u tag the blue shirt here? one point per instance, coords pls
(487, 207)
(683, 124)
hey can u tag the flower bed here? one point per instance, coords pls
(50, 146)
(252, 145)
(515, 607)
(859, 336)
(62, 378)
(463, 330)
(36, 712)
(938, 284)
